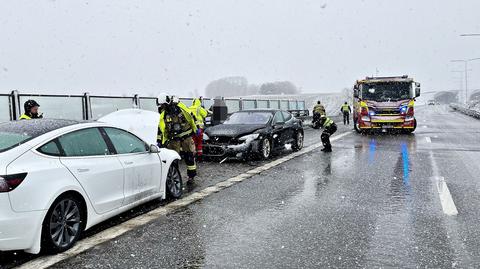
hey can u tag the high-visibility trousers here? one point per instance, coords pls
(187, 146)
(198, 139)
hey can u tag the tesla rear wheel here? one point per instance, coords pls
(63, 224)
(298, 141)
(174, 184)
(265, 149)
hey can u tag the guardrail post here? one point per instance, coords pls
(87, 109)
(136, 101)
(15, 109)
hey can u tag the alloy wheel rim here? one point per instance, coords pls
(266, 148)
(300, 140)
(65, 223)
(173, 181)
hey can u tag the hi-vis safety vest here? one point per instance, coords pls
(164, 133)
(345, 108)
(327, 123)
(199, 112)
(25, 117)
(319, 108)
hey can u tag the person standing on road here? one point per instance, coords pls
(176, 128)
(346, 110)
(329, 128)
(31, 110)
(199, 113)
(319, 109)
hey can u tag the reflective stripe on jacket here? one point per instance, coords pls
(327, 123)
(199, 112)
(188, 117)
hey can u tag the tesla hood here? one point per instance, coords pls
(232, 130)
(142, 123)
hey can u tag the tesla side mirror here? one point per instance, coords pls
(154, 149)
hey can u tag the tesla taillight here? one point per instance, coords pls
(10, 182)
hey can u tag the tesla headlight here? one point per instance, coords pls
(249, 137)
(205, 137)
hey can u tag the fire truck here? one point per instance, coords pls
(385, 103)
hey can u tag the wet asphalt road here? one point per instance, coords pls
(376, 201)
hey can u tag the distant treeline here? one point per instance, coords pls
(239, 86)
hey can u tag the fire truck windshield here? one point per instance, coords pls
(386, 92)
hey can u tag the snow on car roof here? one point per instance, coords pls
(36, 127)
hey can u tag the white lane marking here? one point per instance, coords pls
(446, 199)
(429, 140)
(116, 231)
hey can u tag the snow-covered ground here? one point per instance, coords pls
(471, 109)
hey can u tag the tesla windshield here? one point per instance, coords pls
(254, 118)
(386, 92)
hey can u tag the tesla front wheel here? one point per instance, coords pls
(265, 149)
(298, 142)
(174, 184)
(63, 224)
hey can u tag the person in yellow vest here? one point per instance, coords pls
(176, 129)
(319, 109)
(346, 110)
(31, 110)
(329, 128)
(199, 113)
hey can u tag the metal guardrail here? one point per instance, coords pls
(465, 110)
(92, 107)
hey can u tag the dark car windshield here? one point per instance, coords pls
(251, 117)
(15, 133)
(386, 92)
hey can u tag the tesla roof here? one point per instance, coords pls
(35, 127)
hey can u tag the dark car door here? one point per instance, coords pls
(278, 135)
(289, 126)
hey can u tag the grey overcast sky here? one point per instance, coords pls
(122, 47)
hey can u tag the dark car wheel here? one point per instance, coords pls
(298, 141)
(265, 148)
(174, 184)
(63, 224)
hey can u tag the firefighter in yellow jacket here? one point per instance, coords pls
(199, 113)
(176, 129)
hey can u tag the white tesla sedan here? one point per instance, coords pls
(60, 177)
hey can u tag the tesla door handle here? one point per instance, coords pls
(83, 170)
(128, 163)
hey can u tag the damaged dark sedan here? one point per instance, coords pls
(254, 133)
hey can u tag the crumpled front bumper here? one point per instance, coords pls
(232, 151)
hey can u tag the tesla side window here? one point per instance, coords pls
(125, 142)
(279, 118)
(86, 142)
(286, 115)
(50, 148)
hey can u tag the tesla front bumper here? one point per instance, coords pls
(19, 230)
(232, 151)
